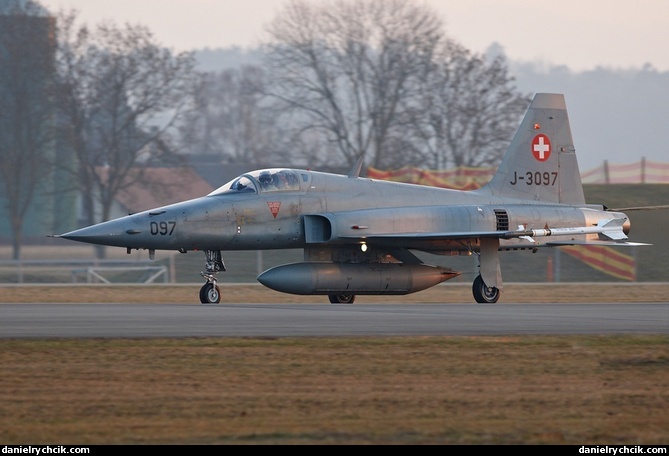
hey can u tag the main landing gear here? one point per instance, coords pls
(346, 298)
(483, 293)
(210, 293)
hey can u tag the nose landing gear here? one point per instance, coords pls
(210, 293)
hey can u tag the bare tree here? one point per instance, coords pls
(122, 97)
(346, 65)
(467, 110)
(26, 114)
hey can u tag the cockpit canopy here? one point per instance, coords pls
(262, 181)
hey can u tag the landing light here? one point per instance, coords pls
(363, 247)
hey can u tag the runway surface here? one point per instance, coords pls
(288, 320)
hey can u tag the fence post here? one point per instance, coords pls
(173, 272)
(557, 265)
(259, 261)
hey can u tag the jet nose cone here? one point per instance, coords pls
(107, 233)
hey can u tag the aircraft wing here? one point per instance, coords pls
(609, 232)
(400, 238)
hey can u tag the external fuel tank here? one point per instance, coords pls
(312, 278)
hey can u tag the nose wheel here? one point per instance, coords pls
(210, 293)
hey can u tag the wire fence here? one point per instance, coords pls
(641, 172)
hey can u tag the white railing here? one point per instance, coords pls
(96, 274)
(76, 271)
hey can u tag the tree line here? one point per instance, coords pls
(337, 80)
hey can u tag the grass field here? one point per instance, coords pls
(314, 391)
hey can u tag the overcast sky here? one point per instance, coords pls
(581, 34)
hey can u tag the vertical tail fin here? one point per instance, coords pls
(540, 164)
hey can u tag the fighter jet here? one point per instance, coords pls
(361, 236)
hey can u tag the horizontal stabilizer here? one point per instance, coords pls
(640, 208)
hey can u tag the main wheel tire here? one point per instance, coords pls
(210, 294)
(483, 293)
(342, 298)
